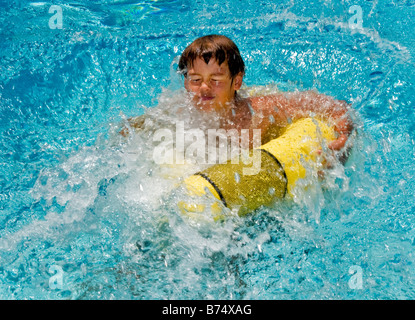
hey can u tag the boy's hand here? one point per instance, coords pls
(339, 143)
(134, 123)
(343, 127)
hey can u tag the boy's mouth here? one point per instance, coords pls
(206, 98)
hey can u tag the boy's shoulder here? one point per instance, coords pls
(264, 103)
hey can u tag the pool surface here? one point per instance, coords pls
(85, 214)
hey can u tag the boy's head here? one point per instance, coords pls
(213, 69)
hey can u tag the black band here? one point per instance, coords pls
(204, 176)
(279, 163)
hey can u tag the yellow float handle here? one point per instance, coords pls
(282, 164)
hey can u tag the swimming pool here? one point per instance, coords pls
(83, 216)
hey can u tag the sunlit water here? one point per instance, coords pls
(87, 214)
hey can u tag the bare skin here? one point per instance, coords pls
(214, 90)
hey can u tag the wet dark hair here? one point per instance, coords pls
(218, 47)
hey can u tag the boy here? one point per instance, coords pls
(213, 71)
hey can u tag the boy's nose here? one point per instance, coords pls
(205, 89)
(204, 86)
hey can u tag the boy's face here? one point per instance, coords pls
(212, 85)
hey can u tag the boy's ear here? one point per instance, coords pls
(237, 81)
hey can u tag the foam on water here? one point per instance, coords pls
(110, 211)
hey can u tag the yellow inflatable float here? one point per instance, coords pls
(283, 161)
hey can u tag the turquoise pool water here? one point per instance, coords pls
(85, 216)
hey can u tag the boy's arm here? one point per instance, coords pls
(282, 108)
(134, 123)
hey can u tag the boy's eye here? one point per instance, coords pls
(212, 81)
